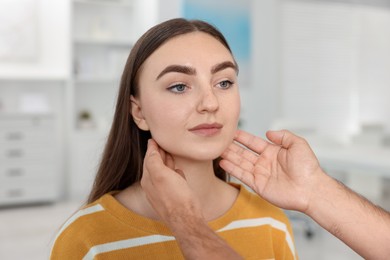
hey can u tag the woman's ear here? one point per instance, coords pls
(136, 112)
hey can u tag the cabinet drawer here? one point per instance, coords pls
(29, 159)
(34, 192)
(20, 174)
(29, 153)
(26, 129)
(25, 137)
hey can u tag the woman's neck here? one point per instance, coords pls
(201, 179)
(199, 175)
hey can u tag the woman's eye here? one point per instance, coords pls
(225, 84)
(178, 88)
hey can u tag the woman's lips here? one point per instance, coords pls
(206, 129)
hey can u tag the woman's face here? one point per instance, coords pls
(188, 97)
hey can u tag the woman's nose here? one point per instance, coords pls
(208, 101)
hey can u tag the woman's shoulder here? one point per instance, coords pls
(84, 217)
(104, 216)
(75, 234)
(100, 223)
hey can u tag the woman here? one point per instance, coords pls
(179, 87)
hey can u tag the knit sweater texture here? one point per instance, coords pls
(105, 229)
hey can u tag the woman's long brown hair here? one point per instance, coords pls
(122, 160)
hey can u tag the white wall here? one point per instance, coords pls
(146, 15)
(348, 48)
(374, 70)
(260, 101)
(169, 9)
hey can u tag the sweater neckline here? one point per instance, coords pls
(148, 225)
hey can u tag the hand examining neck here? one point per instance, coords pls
(174, 199)
(285, 171)
(199, 188)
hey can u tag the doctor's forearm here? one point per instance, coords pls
(198, 241)
(357, 222)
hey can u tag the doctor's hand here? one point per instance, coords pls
(283, 170)
(166, 188)
(172, 198)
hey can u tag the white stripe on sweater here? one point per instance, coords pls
(80, 213)
(128, 243)
(255, 222)
(134, 242)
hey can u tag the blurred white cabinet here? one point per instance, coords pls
(103, 33)
(29, 159)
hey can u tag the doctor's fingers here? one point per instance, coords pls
(246, 177)
(254, 143)
(238, 152)
(153, 165)
(240, 158)
(165, 157)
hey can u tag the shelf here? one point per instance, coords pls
(103, 41)
(33, 76)
(20, 115)
(95, 80)
(106, 3)
(91, 133)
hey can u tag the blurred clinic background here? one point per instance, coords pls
(320, 68)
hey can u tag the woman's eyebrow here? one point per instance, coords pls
(177, 68)
(224, 65)
(191, 71)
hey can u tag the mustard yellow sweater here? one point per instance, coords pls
(107, 230)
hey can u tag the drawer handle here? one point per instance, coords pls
(15, 193)
(15, 172)
(15, 153)
(14, 136)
